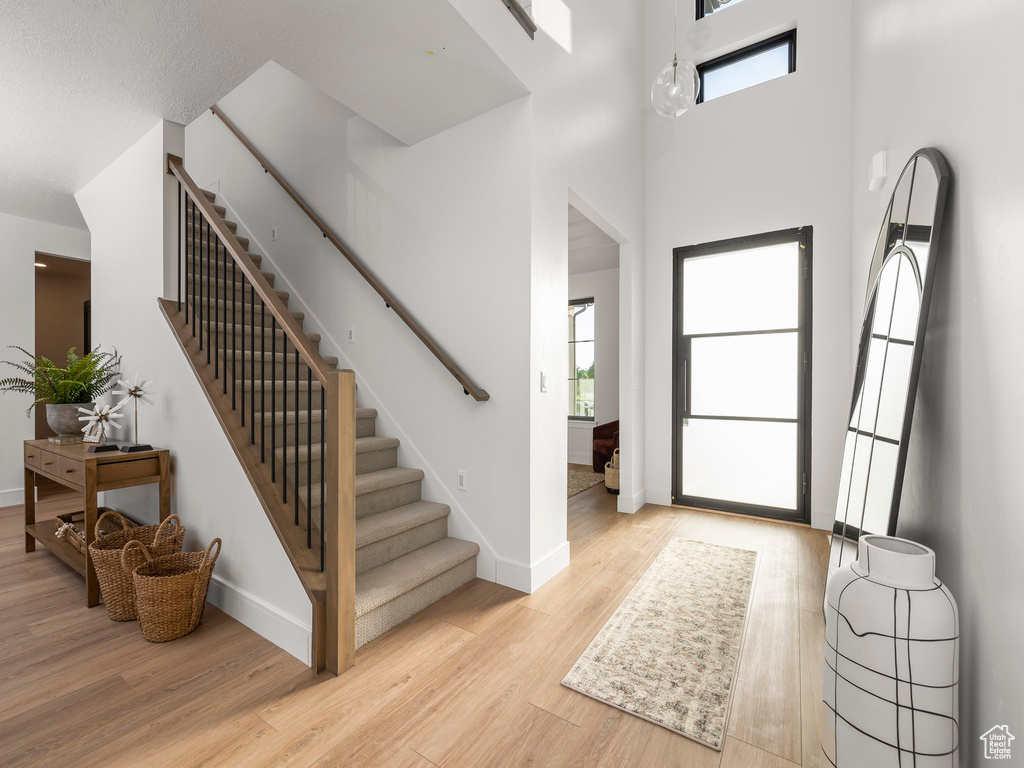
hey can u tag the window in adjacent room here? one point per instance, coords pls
(581, 359)
(753, 65)
(707, 7)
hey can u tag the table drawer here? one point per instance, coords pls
(72, 471)
(49, 462)
(33, 456)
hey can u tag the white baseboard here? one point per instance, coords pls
(661, 496)
(280, 629)
(631, 504)
(587, 459)
(530, 578)
(12, 497)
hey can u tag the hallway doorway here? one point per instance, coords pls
(62, 315)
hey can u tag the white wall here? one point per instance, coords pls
(131, 211)
(19, 240)
(445, 225)
(961, 495)
(585, 72)
(770, 157)
(603, 286)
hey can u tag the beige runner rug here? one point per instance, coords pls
(669, 652)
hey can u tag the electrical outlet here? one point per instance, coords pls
(351, 335)
(273, 234)
(462, 484)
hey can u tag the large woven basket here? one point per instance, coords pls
(170, 591)
(116, 586)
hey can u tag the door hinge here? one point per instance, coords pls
(805, 362)
(804, 483)
(806, 268)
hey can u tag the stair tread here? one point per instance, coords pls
(288, 417)
(383, 525)
(384, 583)
(386, 478)
(266, 329)
(363, 445)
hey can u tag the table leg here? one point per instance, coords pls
(30, 507)
(92, 586)
(165, 486)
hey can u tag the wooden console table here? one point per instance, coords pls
(89, 473)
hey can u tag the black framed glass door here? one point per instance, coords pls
(741, 375)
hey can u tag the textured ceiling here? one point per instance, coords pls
(81, 80)
(590, 249)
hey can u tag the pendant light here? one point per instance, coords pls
(676, 87)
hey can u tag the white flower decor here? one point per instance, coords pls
(100, 421)
(134, 393)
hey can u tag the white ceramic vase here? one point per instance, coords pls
(891, 676)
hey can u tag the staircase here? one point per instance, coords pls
(285, 408)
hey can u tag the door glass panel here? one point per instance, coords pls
(745, 375)
(747, 290)
(751, 462)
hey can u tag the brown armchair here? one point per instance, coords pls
(606, 440)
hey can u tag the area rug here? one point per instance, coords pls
(580, 480)
(669, 652)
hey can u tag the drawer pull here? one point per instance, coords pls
(47, 463)
(68, 471)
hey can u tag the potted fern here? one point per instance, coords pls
(64, 390)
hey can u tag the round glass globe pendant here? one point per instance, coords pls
(675, 88)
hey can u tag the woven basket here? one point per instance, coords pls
(170, 591)
(71, 526)
(115, 585)
(611, 474)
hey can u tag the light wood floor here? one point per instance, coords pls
(472, 681)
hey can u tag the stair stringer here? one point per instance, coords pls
(460, 523)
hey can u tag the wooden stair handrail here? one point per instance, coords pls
(286, 322)
(469, 386)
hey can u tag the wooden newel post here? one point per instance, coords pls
(340, 520)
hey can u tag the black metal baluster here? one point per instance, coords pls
(233, 329)
(296, 489)
(209, 260)
(284, 418)
(252, 364)
(199, 242)
(181, 277)
(323, 473)
(273, 400)
(234, 345)
(217, 330)
(309, 457)
(263, 381)
(192, 256)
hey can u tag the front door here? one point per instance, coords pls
(741, 411)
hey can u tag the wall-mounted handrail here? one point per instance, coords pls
(517, 10)
(288, 324)
(469, 386)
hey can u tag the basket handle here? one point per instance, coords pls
(160, 530)
(203, 577)
(104, 516)
(133, 544)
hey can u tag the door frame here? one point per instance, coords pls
(803, 236)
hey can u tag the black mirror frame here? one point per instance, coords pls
(941, 168)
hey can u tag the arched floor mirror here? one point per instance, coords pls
(900, 282)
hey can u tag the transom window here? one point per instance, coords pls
(581, 359)
(753, 65)
(707, 7)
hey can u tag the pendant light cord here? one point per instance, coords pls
(675, 43)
